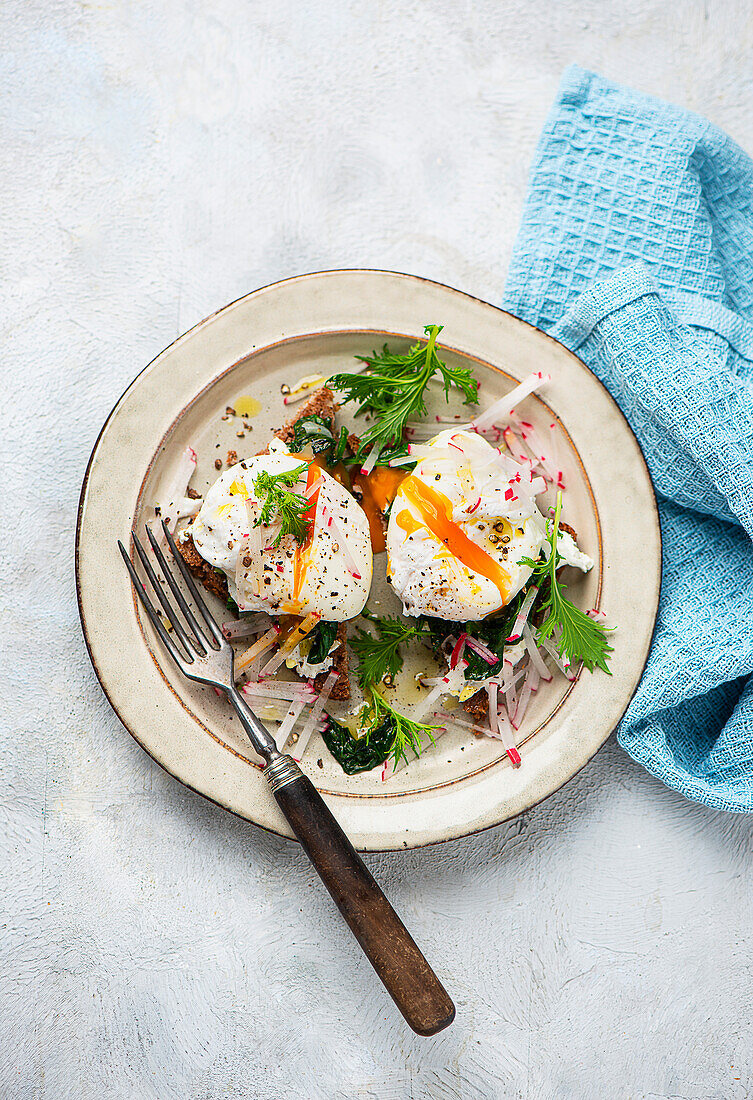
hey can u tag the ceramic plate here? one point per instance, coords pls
(314, 324)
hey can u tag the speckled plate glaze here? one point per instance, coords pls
(315, 324)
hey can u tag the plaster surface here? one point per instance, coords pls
(159, 160)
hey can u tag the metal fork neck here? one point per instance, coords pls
(258, 734)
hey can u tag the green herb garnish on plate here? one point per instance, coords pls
(379, 656)
(580, 637)
(315, 432)
(392, 388)
(388, 733)
(279, 503)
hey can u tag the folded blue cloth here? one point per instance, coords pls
(636, 251)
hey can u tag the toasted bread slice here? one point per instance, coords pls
(340, 664)
(321, 403)
(214, 581)
(478, 705)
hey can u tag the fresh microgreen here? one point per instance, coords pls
(579, 637)
(279, 504)
(342, 446)
(400, 450)
(379, 656)
(313, 431)
(392, 388)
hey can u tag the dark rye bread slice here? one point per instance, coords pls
(214, 582)
(340, 665)
(321, 403)
(478, 704)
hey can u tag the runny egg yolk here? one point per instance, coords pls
(303, 550)
(379, 489)
(436, 514)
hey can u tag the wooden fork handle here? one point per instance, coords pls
(391, 950)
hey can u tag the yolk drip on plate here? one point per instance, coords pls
(379, 489)
(435, 511)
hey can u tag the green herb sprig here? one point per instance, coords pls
(379, 656)
(279, 504)
(581, 638)
(392, 388)
(407, 733)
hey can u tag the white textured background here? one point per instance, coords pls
(158, 160)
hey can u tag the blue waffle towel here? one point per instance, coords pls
(636, 251)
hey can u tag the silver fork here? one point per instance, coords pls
(203, 654)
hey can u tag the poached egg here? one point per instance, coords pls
(459, 528)
(323, 575)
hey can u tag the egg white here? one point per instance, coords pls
(329, 587)
(470, 473)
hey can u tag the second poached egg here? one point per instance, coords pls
(459, 527)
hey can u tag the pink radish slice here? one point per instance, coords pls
(276, 689)
(174, 503)
(511, 697)
(508, 738)
(523, 700)
(505, 405)
(535, 653)
(313, 718)
(482, 650)
(492, 693)
(370, 461)
(540, 451)
(522, 617)
(234, 629)
(553, 451)
(457, 651)
(441, 688)
(499, 724)
(286, 726)
(562, 664)
(450, 720)
(388, 768)
(510, 680)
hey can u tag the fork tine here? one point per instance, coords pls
(190, 647)
(208, 618)
(180, 598)
(148, 607)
